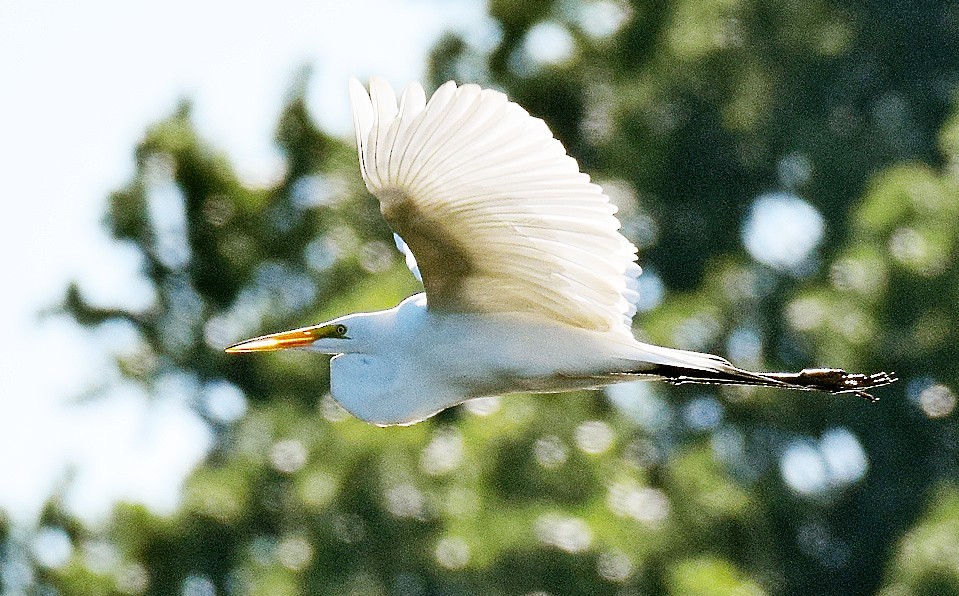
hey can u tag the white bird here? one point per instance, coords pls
(529, 286)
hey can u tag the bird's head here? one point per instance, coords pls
(339, 336)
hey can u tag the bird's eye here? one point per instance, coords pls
(340, 329)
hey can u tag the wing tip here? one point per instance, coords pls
(361, 103)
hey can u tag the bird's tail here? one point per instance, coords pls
(680, 367)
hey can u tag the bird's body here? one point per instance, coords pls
(425, 361)
(529, 285)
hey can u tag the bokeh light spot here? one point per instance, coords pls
(651, 291)
(845, 458)
(133, 579)
(639, 401)
(318, 190)
(643, 504)
(814, 468)
(294, 552)
(806, 314)
(937, 401)
(570, 534)
(288, 456)
(917, 252)
(376, 256)
(223, 401)
(100, 556)
(550, 451)
(198, 585)
(858, 275)
(602, 19)
(803, 468)
(443, 454)
(703, 413)
(794, 170)
(594, 436)
(548, 43)
(332, 411)
(318, 489)
(405, 500)
(614, 566)
(452, 552)
(745, 347)
(782, 230)
(696, 332)
(52, 547)
(483, 406)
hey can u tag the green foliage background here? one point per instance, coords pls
(687, 111)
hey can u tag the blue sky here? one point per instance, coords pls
(79, 83)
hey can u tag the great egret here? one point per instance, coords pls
(529, 286)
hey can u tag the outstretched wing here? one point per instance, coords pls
(498, 217)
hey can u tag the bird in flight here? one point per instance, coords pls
(529, 286)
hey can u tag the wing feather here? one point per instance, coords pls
(489, 210)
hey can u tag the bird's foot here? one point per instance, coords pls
(836, 380)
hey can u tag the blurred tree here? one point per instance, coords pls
(686, 112)
(927, 561)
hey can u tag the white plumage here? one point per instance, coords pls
(529, 284)
(473, 178)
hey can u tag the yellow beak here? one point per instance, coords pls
(296, 338)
